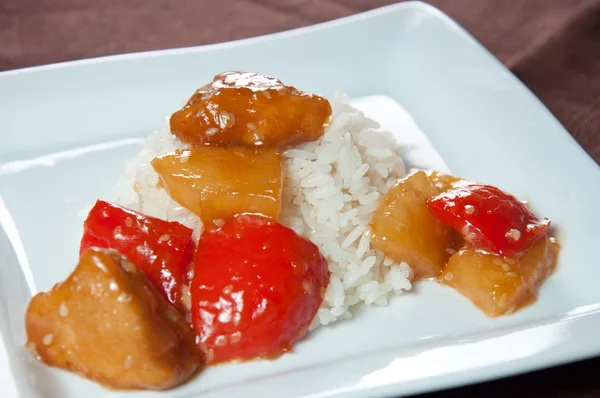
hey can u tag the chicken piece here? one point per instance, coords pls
(444, 182)
(219, 183)
(251, 110)
(501, 285)
(109, 323)
(405, 230)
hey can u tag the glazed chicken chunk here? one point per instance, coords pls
(252, 110)
(109, 323)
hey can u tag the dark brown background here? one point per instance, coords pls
(553, 46)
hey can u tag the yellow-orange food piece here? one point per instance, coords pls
(405, 230)
(444, 182)
(107, 322)
(501, 285)
(219, 183)
(250, 110)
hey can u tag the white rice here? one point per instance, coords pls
(331, 190)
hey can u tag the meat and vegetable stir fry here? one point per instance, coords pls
(152, 301)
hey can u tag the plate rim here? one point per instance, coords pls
(416, 4)
(384, 388)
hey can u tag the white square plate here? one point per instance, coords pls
(483, 121)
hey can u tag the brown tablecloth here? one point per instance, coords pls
(553, 46)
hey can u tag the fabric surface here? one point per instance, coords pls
(553, 46)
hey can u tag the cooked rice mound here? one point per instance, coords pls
(331, 190)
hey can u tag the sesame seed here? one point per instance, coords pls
(465, 230)
(124, 298)
(471, 236)
(511, 310)
(117, 231)
(226, 119)
(513, 234)
(450, 250)
(186, 298)
(509, 260)
(33, 349)
(469, 209)
(307, 287)
(237, 318)
(235, 337)
(127, 266)
(128, 362)
(511, 274)
(221, 341)
(63, 310)
(506, 267)
(227, 289)
(210, 355)
(448, 276)
(251, 126)
(211, 131)
(219, 222)
(164, 238)
(128, 222)
(267, 94)
(47, 340)
(502, 301)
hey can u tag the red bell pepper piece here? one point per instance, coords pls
(489, 218)
(257, 286)
(163, 250)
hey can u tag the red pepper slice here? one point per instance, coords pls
(257, 286)
(163, 250)
(489, 218)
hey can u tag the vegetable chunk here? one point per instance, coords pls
(444, 182)
(257, 286)
(107, 322)
(405, 230)
(219, 183)
(163, 250)
(489, 218)
(501, 285)
(251, 110)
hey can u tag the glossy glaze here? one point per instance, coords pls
(162, 250)
(257, 286)
(107, 322)
(488, 218)
(218, 183)
(252, 110)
